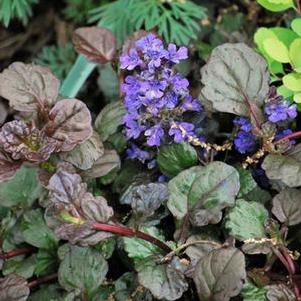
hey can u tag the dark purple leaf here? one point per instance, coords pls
(70, 123)
(279, 292)
(29, 88)
(13, 288)
(26, 142)
(97, 44)
(8, 168)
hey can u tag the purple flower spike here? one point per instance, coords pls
(174, 55)
(134, 152)
(244, 142)
(280, 111)
(130, 61)
(181, 130)
(154, 135)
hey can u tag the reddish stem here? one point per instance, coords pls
(17, 252)
(130, 232)
(288, 137)
(42, 280)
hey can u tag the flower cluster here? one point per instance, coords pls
(278, 112)
(156, 96)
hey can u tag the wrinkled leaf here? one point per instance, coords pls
(286, 168)
(145, 199)
(287, 206)
(84, 155)
(279, 292)
(220, 275)
(109, 119)
(3, 112)
(174, 158)
(70, 123)
(52, 292)
(250, 292)
(23, 189)
(29, 88)
(97, 44)
(246, 220)
(13, 288)
(22, 267)
(105, 164)
(235, 79)
(214, 189)
(247, 183)
(179, 188)
(8, 168)
(81, 268)
(165, 281)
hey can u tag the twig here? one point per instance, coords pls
(42, 280)
(17, 252)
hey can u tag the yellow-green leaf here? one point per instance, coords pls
(292, 81)
(296, 26)
(276, 50)
(295, 54)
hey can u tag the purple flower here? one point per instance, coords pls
(162, 179)
(180, 84)
(170, 100)
(152, 164)
(154, 88)
(146, 42)
(190, 104)
(130, 61)
(133, 128)
(280, 111)
(134, 152)
(175, 55)
(243, 123)
(244, 142)
(131, 85)
(181, 130)
(154, 135)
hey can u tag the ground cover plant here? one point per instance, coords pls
(163, 163)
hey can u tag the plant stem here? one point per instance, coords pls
(14, 253)
(130, 232)
(288, 137)
(42, 280)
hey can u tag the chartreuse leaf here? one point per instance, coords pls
(220, 275)
(287, 206)
(174, 158)
(295, 54)
(292, 81)
(35, 231)
(296, 26)
(276, 50)
(250, 292)
(276, 5)
(179, 188)
(214, 189)
(246, 220)
(22, 190)
(297, 98)
(82, 269)
(285, 92)
(285, 35)
(140, 249)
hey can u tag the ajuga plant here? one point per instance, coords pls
(281, 48)
(180, 217)
(58, 58)
(19, 9)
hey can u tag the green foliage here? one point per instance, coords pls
(176, 21)
(276, 5)
(282, 46)
(58, 58)
(19, 9)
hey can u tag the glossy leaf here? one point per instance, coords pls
(29, 88)
(174, 158)
(97, 44)
(287, 206)
(220, 275)
(251, 215)
(235, 78)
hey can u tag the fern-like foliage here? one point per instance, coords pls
(19, 9)
(78, 10)
(59, 59)
(176, 21)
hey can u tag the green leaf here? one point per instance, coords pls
(109, 119)
(36, 232)
(23, 267)
(220, 275)
(140, 249)
(51, 292)
(295, 54)
(179, 188)
(214, 189)
(235, 79)
(286, 168)
(247, 183)
(22, 190)
(250, 292)
(297, 98)
(81, 268)
(287, 206)
(174, 158)
(276, 5)
(285, 92)
(246, 220)
(296, 26)
(165, 281)
(276, 50)
(285, 35)
(292, 81)
(46, 262)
